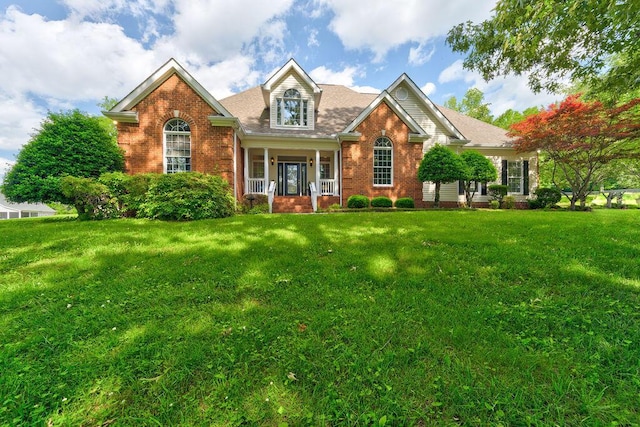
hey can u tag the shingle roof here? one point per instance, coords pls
(479, 133)
(340, 106)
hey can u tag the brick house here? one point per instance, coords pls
(306, 145)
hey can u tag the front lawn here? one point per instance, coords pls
(399, 318)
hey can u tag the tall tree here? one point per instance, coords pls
(440, 165)
(472, 105)
(69, 143)
(509, 117)
(581, 138)
(479, 170)
(585, 40)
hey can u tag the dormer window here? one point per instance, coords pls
(292, 109)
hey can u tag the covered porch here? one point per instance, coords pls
(285, 172)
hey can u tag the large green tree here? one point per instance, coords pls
(472, 105)
(509, 117)
(595, 41)
(479, 170)
(440, 165)
(67, 143)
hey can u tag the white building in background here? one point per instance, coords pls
(10, 210)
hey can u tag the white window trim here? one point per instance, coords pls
(164, 145)
(304, 111)
(509, 177)
(374, 162)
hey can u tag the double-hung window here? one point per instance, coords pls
(383, 162)
(292, 109)
(515, 175)
(177, 146)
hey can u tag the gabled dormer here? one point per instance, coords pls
(292, 98)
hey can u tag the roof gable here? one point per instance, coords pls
(442, 119)
(121, 111)
(293, 67)
(397, 109)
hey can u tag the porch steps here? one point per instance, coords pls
(292, 204)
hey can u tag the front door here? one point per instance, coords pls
(291, 179)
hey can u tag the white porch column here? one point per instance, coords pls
(246, 170)
(336, 190)
(318, 172)
(266, 170)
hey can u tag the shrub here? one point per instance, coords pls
(497, 192)
(187, 196)
(137, 187)
(335, 207)
(508, 202)
(546, 197)
(255, 203)
(358, 201)
(381, 202)
(405, 203)
(91, 199)
(494, 204)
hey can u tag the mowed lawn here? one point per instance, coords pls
(401, 318)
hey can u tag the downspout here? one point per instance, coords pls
(235, 170)
(341, 187)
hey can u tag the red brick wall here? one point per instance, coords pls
(357, 158)
(211, 147)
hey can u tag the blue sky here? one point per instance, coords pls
(62, 54)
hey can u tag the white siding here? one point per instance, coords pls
(292, 81)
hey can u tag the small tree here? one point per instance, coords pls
(70, 143)
(581, 138)
(440, 165)
(479, 170)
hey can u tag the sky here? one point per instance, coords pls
(57, 55)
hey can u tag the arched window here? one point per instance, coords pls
(177, 146)
(383, 162)
(292, 109)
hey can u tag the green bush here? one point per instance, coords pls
(405, 203)
(358, 201)
(91, 199)
(545, 198)
(381, 202)
(135, 195)
(254, 203)
(494, 204)
(497, 192)
(187, 196)
(508, 202)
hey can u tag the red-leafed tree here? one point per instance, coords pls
(581, 138)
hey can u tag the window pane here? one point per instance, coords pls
(382, 161)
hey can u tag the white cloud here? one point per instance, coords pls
(213, 30)
(381, 25)
(501, 93)
(419, 55)
(221, 78)
(428, 88)
(66, 59)
(312, 40)
(19, 119)
(99, 8)
(5, 165)
(346, 77)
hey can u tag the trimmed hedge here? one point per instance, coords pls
(545, 198)
(187, 196)
(405, 203)
(381, 202)
(358, 201)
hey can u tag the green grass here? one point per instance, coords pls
(400, 318)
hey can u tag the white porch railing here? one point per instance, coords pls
(271, 195)
(314, 196)
(327, 187)
(256, 186)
